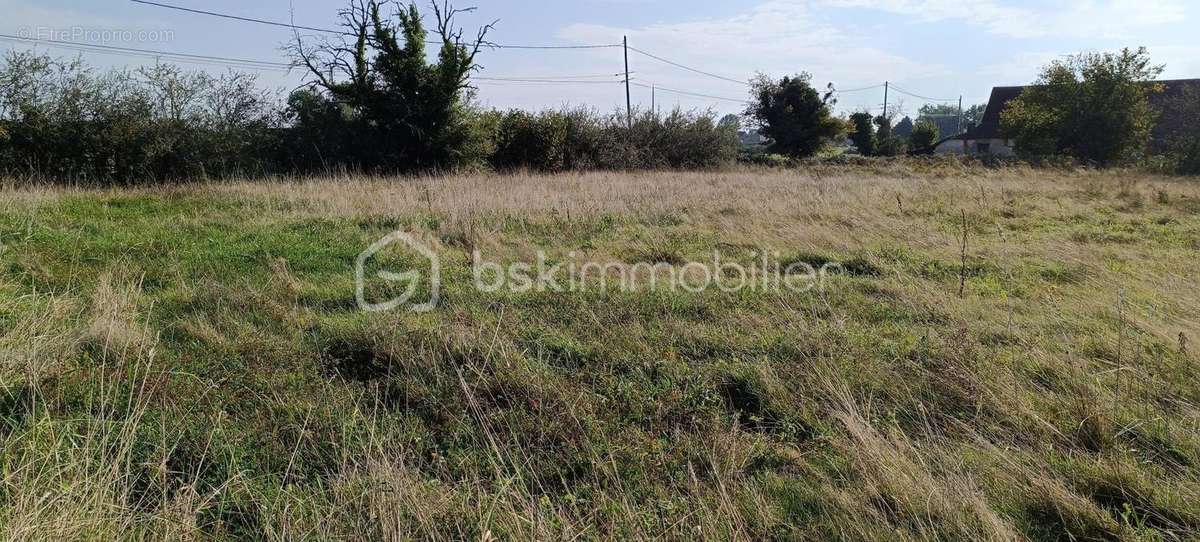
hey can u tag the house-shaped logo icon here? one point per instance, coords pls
(412, 277)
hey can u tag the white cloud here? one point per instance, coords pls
(1182, 61)
(1072, 18)
(777, 37)
(1021, 69)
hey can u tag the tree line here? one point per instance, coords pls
(378, 101)
(1096, 108)
(1093, 109)
(62, 121)
(799, 121)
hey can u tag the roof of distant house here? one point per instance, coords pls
(989, 126)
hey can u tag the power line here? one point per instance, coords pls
(543, 47)
(858, 89)
(263, 64)
(688, 68)
(237, 17)
(147, 53)
(595, 76)
(539, 80)
(258, 64)
(340, 32)
(686, 93)
(280, 66)
(902, 91)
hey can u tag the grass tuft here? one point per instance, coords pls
(191, 363)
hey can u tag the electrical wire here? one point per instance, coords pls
(280, 66)
(595, 76)
(688, 68)
(147, 53)
(341, 32)
(902, 91)
(551, 47)
(858, 89)
(237, 17)
(686, 93)
(536, 80)
(267, 65)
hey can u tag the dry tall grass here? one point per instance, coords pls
(1052, 402)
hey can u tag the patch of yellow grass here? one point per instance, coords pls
(1126, 286)
(114, 323)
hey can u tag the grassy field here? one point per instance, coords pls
(191, 363)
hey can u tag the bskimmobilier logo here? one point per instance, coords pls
(762, 271)
(412, 278)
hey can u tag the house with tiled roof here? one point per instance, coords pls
(988, 139)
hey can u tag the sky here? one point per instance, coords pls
(934, 49)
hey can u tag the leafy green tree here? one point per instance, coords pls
(66, 121)
(904, 128)
(924, 137)
(863, 133)
(1183, 131)
(937, 110)
(405, 112)
(973, 116)
(1093, 107)
(577, 139)
(946, 116)
(886, 142)
(731, 121)
(793, 114)
(883, 124)
(531, 141)
(321, 134)
(892, 146)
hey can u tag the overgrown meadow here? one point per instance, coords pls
(190, 362)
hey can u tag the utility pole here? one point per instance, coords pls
(628, 100)
(960, 115)
(885, 98)
(653, 91)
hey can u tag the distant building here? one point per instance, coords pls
(988, 140)
(752, 138)
(985, 139)
(947, 125)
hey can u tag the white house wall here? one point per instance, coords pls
(997, 147)
(951, 146)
